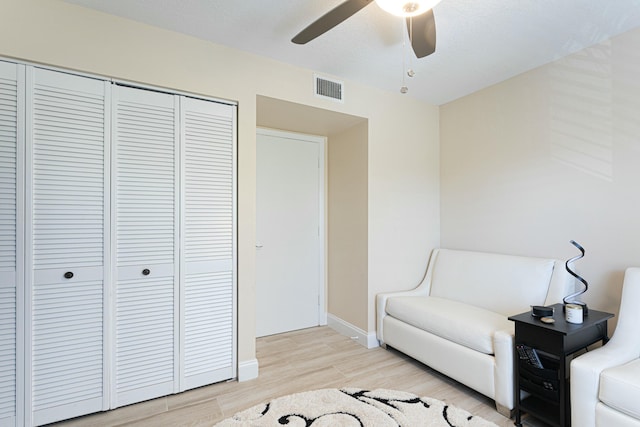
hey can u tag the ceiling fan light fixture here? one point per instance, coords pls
(407, 8)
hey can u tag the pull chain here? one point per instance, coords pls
(407, 52)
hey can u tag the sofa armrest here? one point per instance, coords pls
(423, 289)
(561, 284)
(503, 345)
(381, 305)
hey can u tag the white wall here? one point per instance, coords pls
(403, 133)
(549, 156)
(404, 193)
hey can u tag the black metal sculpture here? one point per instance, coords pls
(569, 299)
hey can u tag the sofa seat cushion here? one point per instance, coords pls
(464, 324)
(620, 388)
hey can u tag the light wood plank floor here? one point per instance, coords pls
(293, 362)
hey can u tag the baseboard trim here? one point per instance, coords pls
(248, 370)
(363, 338)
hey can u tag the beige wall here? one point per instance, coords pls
(549, 156)
(403, 133)
(347, 226)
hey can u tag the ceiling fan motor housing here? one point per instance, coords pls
(406, 8)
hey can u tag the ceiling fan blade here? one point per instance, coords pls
(330, 20)
(423, 33)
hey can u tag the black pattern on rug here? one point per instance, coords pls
(362, 396)
(285, 419)
(355, 407)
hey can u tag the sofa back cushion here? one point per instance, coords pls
(504, 284)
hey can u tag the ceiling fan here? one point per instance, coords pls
(418, 14)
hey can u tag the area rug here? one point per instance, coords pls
(355, 407)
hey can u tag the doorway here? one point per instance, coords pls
(290, 231)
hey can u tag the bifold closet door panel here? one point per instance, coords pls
(208, 282)
(66, 180)
(11, 103)
(145, 202)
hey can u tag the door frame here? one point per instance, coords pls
(322, 207)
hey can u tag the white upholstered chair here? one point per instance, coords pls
(605, 383)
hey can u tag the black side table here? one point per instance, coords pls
(548, 386)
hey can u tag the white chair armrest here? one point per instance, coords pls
(623, 348)
(585, 379)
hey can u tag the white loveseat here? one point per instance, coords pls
(605, 383)
(456, 322)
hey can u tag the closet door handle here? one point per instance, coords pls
(146, 272)
(68, 275)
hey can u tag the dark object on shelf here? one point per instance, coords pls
(529, 355)
(541, 382)
(569, 299)
(541, 311)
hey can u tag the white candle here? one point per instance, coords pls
(573, 313)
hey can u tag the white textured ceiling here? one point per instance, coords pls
(479, 42)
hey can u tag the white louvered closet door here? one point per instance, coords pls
(66, 259)
(208, 272)
(145, 134)
(11, 119)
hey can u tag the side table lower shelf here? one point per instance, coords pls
(543, 409)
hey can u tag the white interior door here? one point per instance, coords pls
(208, 248)
(11, 120)
(289, 253)
(66, 257)
(145, 239)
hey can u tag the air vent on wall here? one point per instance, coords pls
(328, 88)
